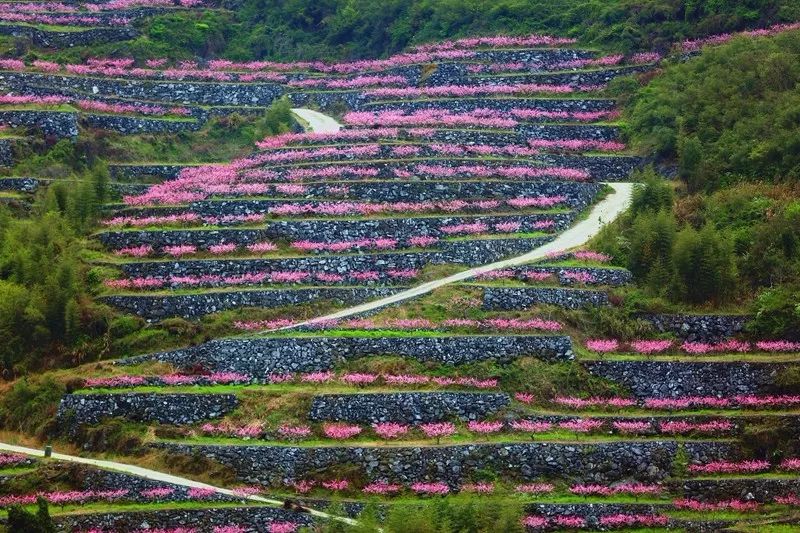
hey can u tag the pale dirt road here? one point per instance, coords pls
(317, 122)
(606, 211)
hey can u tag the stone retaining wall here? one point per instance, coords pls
(19, 184)
(497, 104)
(592, 132)
(646, 461)
(602, 276)
(698, 328)
(144, 407)
(514, 298)
(260, 357)
(600, 168)
(131, 172)
(56, 123)
(68, 39)
(180, 92)
(668, 379)
(98, 479)
(598, 76)
(7, 152)
(759, 489)
(469, 252)
(578, 195)
(410, 407)
(255, 518)
(136, 125)
(610, 167)
(157, 307)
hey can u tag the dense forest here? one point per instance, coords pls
(725, 232)
(347, 29)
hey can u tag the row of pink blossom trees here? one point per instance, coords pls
(92, 105)
(653, 346)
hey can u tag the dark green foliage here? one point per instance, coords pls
(22, 521)
(347, 29)
(29, 406)
(471, 514)
(704, 268)
(364, 28)
(653, 195)
(777, 313)
(728, 115)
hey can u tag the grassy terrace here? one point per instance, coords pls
(459, 439)
(56, 27)
(98, 257)
(276, 287)
(685, 358)
(73, 109)
(562, 98)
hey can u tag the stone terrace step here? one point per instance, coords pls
(406, 407)
(144, 407)
(737, 488)
(599, 167)
(578, 195)
(591, 76)
(601, 275)
(172, 91)
(255, 517)
(157, 307)
(669, 379)
(467, 252)
(515, 298)
(354, 228)
(594, 462)
(260, 357)
(497, 103)
(52, 38)
(135, 171)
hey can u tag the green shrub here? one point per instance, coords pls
(29, 406)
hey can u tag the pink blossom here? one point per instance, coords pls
(438, 429)
(380, 487)
(294, 432)
(535, 522)
(633, 520)
(531, 426)
(390, 430)
(358, 378)
(602, 345)
(581, 425)
(336, 484)
(631, 426)
(480, 488)
(440, 489)
(727, 467)
(534, 488)
(484, 427)
(524, 397)
(283, 527)
(340, 431)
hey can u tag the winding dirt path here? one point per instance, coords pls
(317, 122)
(604, 212)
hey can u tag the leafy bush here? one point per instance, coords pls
(22, 521)
(30, 406)
(728, 115)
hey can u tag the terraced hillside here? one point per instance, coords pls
(449, 157)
